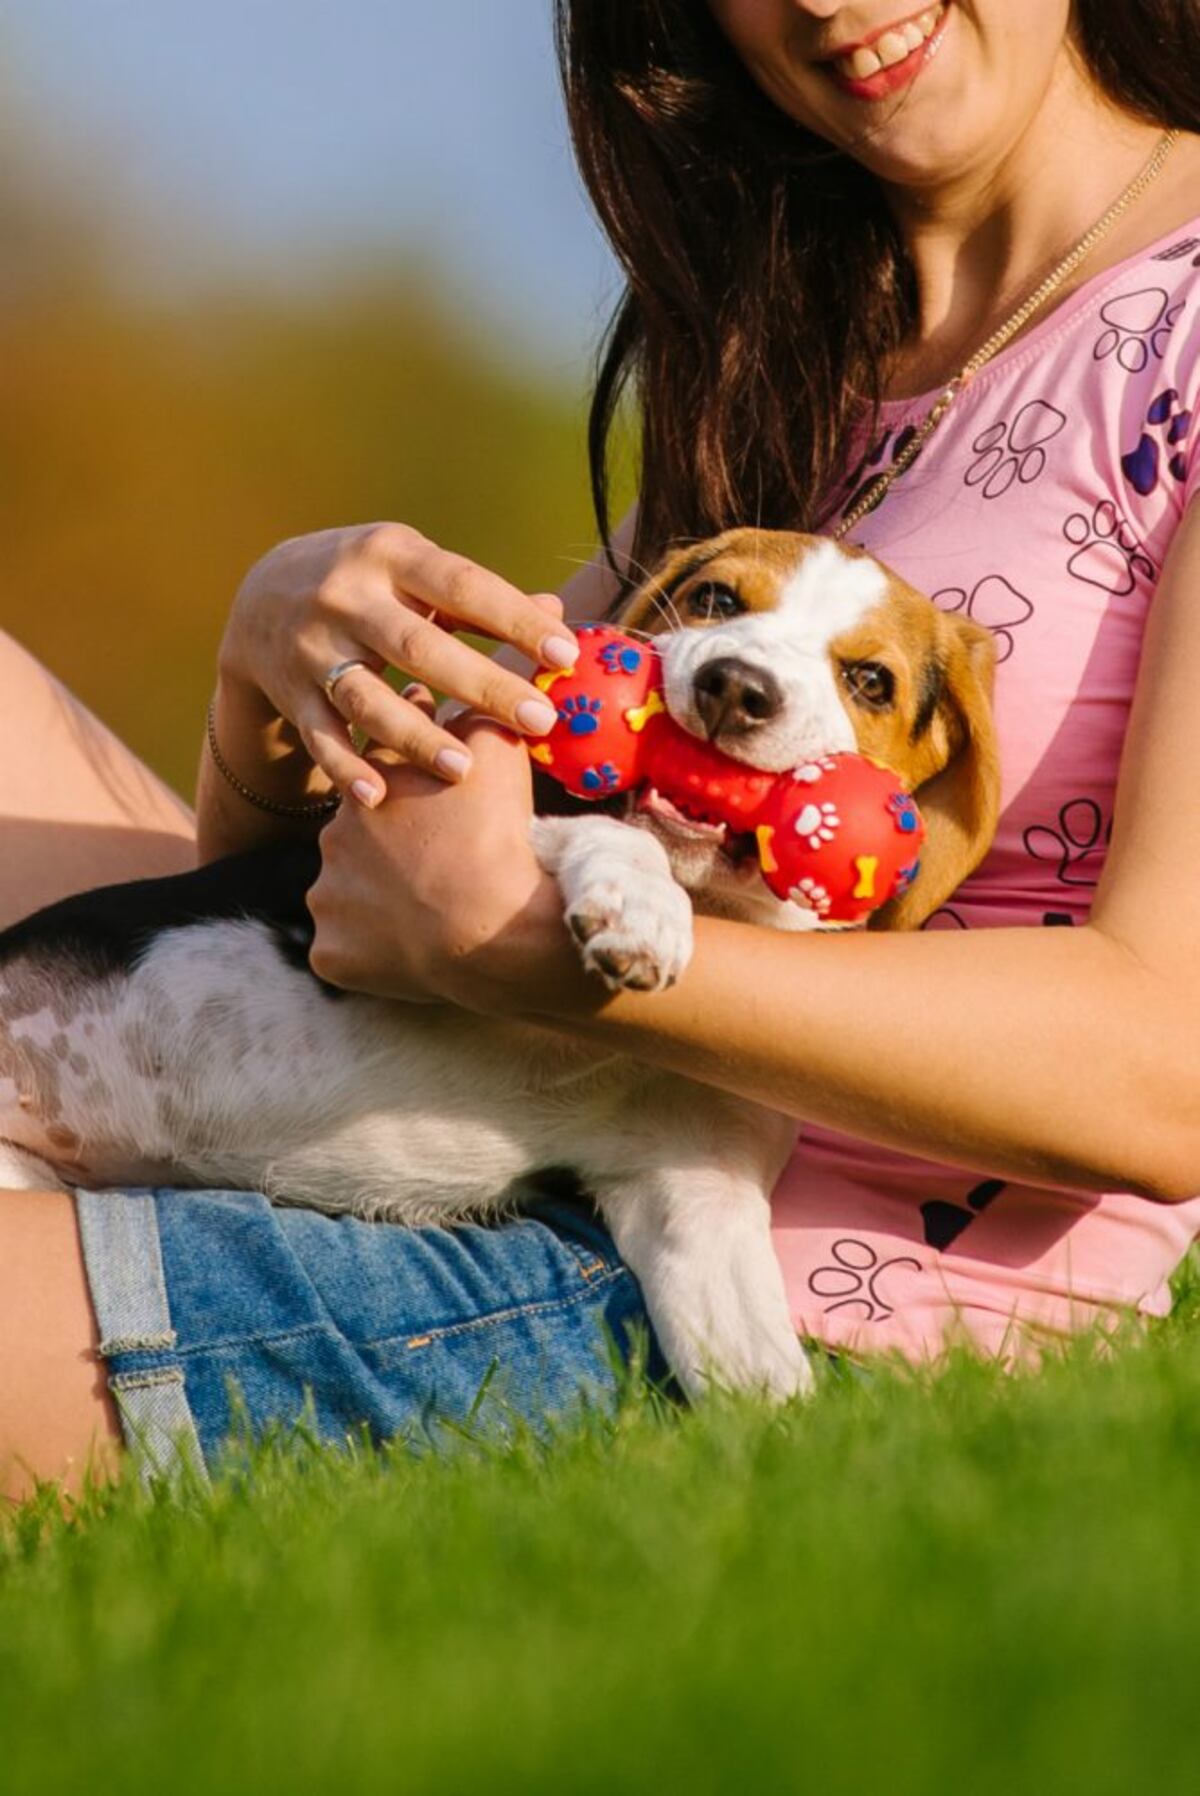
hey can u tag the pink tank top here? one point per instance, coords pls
(1043, 509)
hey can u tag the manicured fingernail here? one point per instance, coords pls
(415, 689)
(452, 761)
(535, 716)
(366, 793)
(560, 651)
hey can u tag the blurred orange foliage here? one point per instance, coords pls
(149, 454)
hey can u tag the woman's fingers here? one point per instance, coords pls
(402, 722)
(416, 694)
(438, 659)
(327, 744)
(479, 600)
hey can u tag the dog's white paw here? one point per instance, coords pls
(637, 938)
(719, 1309)
(737, 1351)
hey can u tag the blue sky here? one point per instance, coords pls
(268, 138)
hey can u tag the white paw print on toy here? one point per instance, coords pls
(812, 893)
(811, 771)
(818, 823)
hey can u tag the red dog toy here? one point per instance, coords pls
(839, 834)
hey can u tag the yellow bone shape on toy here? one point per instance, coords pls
(640, 715)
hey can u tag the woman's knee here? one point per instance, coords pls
(77, 808)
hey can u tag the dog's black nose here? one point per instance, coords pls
(732, 697)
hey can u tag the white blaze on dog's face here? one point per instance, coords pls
(779, 647)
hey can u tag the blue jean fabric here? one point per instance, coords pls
(217, 1307)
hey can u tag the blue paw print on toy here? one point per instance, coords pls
(905, 877)
(615, 658)
(604, 778)
(580, 715)
(904, 811)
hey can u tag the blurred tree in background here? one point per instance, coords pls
(150, 453)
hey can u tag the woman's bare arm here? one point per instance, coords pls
(1069, 1056)
(1064, 1056)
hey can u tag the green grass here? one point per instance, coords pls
(963, 1583)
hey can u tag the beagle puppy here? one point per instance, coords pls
(171, 1031)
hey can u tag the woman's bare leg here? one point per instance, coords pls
(57, 1419)
(77, 809)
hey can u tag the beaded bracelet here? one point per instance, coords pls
(312, 808)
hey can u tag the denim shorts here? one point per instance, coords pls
(218, 1310)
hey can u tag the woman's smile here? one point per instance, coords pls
(891, 58)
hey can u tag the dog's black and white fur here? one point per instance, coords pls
(171, 1031)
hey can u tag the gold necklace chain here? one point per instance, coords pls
(879, 486)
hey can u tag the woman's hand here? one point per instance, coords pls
(436, 894)
(382, 594)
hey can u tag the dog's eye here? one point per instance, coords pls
(870, 683)
(711, 601)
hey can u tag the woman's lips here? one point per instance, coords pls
(889, 79)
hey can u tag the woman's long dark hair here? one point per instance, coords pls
(766, 283)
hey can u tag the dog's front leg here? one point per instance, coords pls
(632, 920)
(698, 1242)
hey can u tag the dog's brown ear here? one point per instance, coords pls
(960, 804)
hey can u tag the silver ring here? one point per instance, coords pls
(339, 672)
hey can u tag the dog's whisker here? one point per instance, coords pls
(667, 609)
(632, 564)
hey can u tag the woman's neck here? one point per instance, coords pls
(981, 241)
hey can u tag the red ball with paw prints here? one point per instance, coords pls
(838, 835)
(606, 704)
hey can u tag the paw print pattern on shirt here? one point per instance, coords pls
(866, 470)
(852, 1282)
(1107, 553)
(993, 602)
(945, 918)
(944, 1222)
(1008, 451)
(1170, 421)
(581, 715)
(1076, 847)
(1138, 325)
(1175, 252)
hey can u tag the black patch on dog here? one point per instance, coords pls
(932, 685)
(109, 930)
(557, 1184)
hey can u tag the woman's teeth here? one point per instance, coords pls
(892, 47)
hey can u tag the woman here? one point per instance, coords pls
(822, 208)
